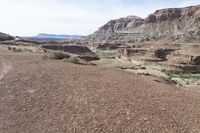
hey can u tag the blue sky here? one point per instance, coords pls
(83, 17)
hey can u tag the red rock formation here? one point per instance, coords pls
(121, 24)
(181, 24)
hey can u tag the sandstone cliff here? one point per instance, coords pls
(174, 24)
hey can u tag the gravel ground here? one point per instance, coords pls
(48, 96)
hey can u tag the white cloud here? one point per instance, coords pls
(30, 17)
(185, 3)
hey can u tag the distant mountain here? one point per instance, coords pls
(54, 36)
(5, 37)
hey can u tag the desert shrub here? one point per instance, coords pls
(74, 60)
(22, 49)
(9, 48)
(55, 55)
(13, 48)
(60, 55)
(106, 54)
(45, 56)
(17, 49)
(28, 50)
(131, 41)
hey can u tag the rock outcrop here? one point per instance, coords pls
(5, 37)
(174, 24)
(121, 24)
(82, 51)
(167, 56)
(110, 46)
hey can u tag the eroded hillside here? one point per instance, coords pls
(174, 24)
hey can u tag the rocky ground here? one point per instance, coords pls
(54, 96)
(160, 59)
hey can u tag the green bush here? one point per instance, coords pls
(183, 75)
(73, 60)
(17, 49)
(28, 50)
(45, 56)
(9, 48)
(23, 48)
(60, 55)
(56, 56)
(106, 54)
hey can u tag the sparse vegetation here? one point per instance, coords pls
(15, 49)
(106, 54)
(184, 75)
(184, 78)
(45, 56)
(60, 55)
(56, 56)
(9, 48)
(65, 57)
(74, 60)
(23, 48)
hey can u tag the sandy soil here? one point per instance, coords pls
(5, 67)
(47, 96)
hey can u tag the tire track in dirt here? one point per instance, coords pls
(5, 67)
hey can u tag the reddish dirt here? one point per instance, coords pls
(48, 96)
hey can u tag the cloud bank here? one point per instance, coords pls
(82, 17)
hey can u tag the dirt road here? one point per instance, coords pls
(46, 96)
(5, 67)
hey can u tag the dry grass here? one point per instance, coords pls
(24, 49)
